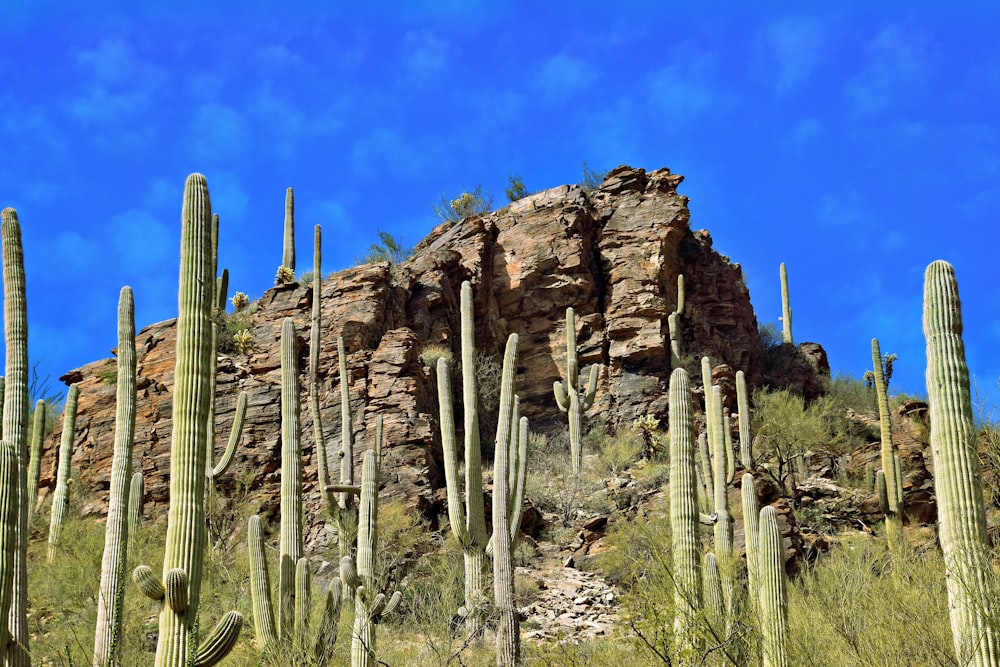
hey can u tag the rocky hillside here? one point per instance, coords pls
(613, 254)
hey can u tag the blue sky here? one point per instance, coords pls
(855, 143)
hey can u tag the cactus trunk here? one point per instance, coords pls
(892, 507)
(107, 642)
(35, 457)
(288, 248)
(957, 475)
(60, 498)
(290, 549)
(786, 308)
(686, 547)
(773, 600)
(568, 396)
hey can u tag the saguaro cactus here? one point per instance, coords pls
(288, 248)
(751, 527)
(507, 449)
(684, 521)
(60, 498)
(957, 475)
(773, 601)
(185, 541)
(370, 606)
(15, 426)
(319, 437)
(893, 505)
(35, 456)
(743, 405)
(674, 324)
(345, 516)
(116, 538)
(136, 499)
(290, 548)
(568, 396)
(786, 308)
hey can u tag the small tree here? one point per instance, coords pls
(591, 178)
(516, 190)
(388, 249)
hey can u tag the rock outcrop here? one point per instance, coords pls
(613, 254)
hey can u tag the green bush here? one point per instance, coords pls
(465, 205)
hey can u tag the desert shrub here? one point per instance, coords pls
(553, 488)
(386, 249)
(234, 332)
(849, 393)
(108, 373)
(515, 188)
(591, 179)
(467, 204)
(284, 276)
(430, 354)
(785, 427)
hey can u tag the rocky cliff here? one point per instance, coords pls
(613, 254)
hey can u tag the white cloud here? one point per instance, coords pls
(563, 76)
(790, 49)
(895, 68)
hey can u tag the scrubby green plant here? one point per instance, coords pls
(515, 188)
(591, 179)
(387, 249)
(467, 204)
(432, 352)
(244, 341)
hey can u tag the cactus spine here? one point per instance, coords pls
(35, 456)
(109, 602)
(893, 505)
(15, 423)
(957, 475)
(288, 248)
(786, 308)
(773, 600)
(60, 498)
(185, 541)
(674, 324)
(684, 520)
(568, 396)
(743, 405)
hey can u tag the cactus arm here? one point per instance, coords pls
(517, 498)
(456, 511)
(288, 247)
(185, 540)
(116, 538)
(773, 601)
(572, 367)
(674, 324)
(35, 457)
(684, 515)
(148, 583)
(591, 392)
(234, 436)
(957, 474)
(222, 289)
(260, 587)
(60, 499)
(363, 638)
(707, 477)
(175, 586)
(220, 641)
(290, 549)
(715, 602)
(562, 397)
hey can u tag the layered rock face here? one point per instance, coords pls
(612, 254)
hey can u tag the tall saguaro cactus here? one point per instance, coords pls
(568, 395)
(288, 247)
(185, 541)
(773, 600)
(290, 548)
(684, 521)
(893, 496)
(674, 324)
(116, 538)
(957, 475)
(60, 498)
(508, 636)
(786, 308)
(319, 437)
(15, 423)
(743, 405)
